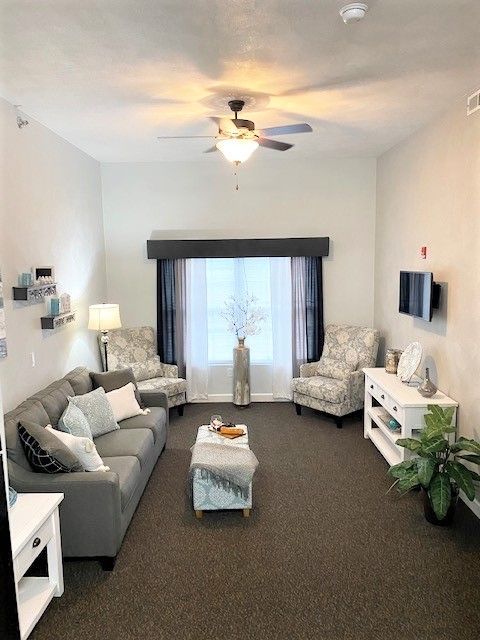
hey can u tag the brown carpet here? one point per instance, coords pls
(326, 554)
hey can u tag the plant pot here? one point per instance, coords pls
(430, 515)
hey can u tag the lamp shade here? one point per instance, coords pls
(237, 149)
(103, 317)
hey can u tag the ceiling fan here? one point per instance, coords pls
(237, 139)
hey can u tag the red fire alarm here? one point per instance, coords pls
(423, 253)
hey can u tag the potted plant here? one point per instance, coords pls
(438, 468)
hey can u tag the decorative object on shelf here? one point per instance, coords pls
(65, 303)
(392, 357)
(393, 425)
(44, 275)
(439, 468)
(3, 332)
(244, 318)
(25, 279)
(55, 322)
(54, 306)
(103, 317)
(409, 361)
(427, 389)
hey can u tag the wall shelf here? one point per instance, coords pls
(54, 322)
(35, 292)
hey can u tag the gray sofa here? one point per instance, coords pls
(98, 506)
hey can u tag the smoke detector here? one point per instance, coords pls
(353, 12)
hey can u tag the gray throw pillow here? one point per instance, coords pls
(73, 421)
(97, 410)
(112, 380)
(44, 451)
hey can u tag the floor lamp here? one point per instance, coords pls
(103, 317)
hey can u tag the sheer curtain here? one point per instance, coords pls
(281, 318)
(196, 330)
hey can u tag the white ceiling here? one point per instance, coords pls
(111, 75)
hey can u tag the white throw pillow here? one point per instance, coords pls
(124, 403)
(83, 448)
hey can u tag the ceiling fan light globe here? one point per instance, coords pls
(237, 149)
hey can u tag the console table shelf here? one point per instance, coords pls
(385, 392)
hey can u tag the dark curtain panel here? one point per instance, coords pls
(166, 315)
(181, 310)
(314, 307)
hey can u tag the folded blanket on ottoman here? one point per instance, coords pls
(229, 467)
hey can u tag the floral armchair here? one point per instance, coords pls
(136, 348)
(335, 384)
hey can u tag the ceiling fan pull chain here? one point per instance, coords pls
(236, 175)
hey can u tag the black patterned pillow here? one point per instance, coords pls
(45, 452)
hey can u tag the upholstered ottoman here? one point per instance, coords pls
(210, 497)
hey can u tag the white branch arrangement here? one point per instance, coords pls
(244, 317)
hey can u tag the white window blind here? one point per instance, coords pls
(237, 277)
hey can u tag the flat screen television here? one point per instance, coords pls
(416, 294)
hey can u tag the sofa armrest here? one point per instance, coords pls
(155, 399)
(90, 514)
(357, 386)
(308, 369)
(170, 370)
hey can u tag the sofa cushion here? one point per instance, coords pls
(327, 389)
(45, 452)
(126, 442)
(155, 421)
(111, 380)
(80, 380)
(128, 470)
(97, 410)
(170, 386)
(74, 422)
(31, 410)
(54, 399)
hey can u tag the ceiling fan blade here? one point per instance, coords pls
(210, 150)
(274, 144)
(181, 137)
(225, 125)
(288, 128)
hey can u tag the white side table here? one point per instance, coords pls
(34, 525)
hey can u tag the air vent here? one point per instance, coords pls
(473, 103)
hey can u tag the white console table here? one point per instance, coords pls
(402, 402)
(34, 525)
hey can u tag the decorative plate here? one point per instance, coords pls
(409, 361)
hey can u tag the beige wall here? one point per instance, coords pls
(277, 197)
(50, 214)
(428, 193)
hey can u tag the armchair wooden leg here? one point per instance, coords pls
(338, 422)
(180, 409)
(298, 409)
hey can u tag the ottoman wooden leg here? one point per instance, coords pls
(246, 513)
(198, 514)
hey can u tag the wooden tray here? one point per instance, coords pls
(227, 435)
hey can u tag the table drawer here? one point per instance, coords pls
(33, 548)
(394, 408)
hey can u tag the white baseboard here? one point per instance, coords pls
(228, 397)
(472, 505)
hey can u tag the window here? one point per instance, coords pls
(237, 276)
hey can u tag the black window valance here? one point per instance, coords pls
(238, 248)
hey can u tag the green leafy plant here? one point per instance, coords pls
(438, 467)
